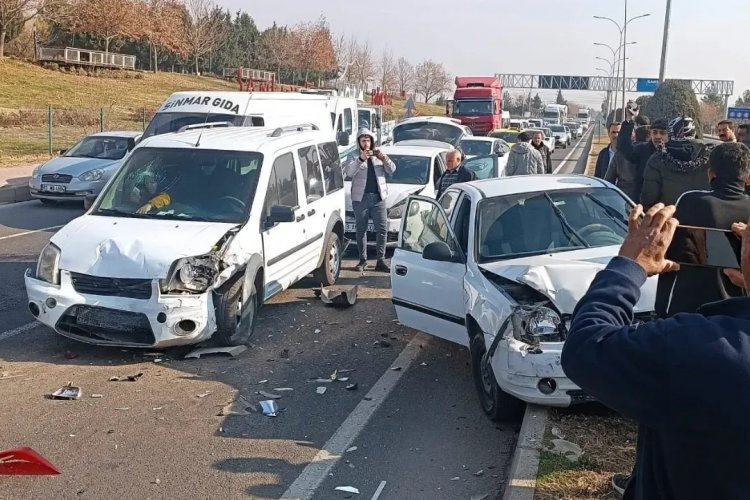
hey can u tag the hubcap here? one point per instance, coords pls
(334, 258)
(487, 375)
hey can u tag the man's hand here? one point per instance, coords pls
(145, 209)
(365, 155)
(649, 237)
(380, 155)
(742, 231)
(735, 276)
(630, 113)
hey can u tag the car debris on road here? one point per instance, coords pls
(127, 378)
(233, 351)
(338, 296)
(68, 391)
(269, 408)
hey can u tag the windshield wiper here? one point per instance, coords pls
(564, 221)
(122, 213)
(610, 211)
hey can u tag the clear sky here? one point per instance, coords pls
(483, 37)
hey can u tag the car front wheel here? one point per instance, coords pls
(235, 319)
(498, 405)
(328, 272)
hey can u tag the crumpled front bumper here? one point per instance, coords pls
(121, 321)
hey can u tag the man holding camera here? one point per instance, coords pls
(369, 191)
(685, 379)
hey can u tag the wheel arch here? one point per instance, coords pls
(335, 225)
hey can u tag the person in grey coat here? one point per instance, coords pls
(368, 170)
(524, 159)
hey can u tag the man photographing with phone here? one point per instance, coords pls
(684, 379)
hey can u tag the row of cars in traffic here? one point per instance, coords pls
(198, 227)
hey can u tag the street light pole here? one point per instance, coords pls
(663, 64)
(624, 52)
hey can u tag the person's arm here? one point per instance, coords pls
(388, 164)
(625, 142)
(353, 165)
(611, 174)
(651, 190)
(161, 200)
(618, 364)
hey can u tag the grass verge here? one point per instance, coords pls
(608, 444)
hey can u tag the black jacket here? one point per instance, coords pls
(464, 175)
(681, 167)
(637, 153)
(602, 163)
(546, 156)
(684, 379)
(691, 287)
(625, 175)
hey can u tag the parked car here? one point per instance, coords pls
(507, 135)
(561, 135)
(435, 128)
(517, 254)
(418, 168)
(82, 170)
(536, 123)
(193, 233)
(576, 129)
(479, 146)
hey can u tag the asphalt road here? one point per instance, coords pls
(419, 428)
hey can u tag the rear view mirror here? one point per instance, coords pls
(280, 214)
(439, 251)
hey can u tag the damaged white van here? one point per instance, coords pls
(195, 231)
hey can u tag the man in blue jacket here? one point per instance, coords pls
(686, 379)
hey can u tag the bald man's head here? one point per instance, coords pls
(453, 159)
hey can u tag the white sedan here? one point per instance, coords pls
(498, 266)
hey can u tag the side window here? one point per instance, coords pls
(437, 171)
(331, 163)
(286, 180)
(272, 195)
(448, 201)
(313, 179)
(348, 121)
(425, 223)
(461, 224)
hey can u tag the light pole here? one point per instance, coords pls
(609, 74)
(623, 43)
(615, 56)
(663, 64)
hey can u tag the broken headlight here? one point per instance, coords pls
(192, 274)
(533, 324)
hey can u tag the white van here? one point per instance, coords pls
(323, 108)
(193, 233)
(433, 128)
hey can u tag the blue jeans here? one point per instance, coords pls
(371, 207)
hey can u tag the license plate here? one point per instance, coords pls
(114, 320)
(352, 228)
(53, 188)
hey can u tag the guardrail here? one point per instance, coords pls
(70, 55)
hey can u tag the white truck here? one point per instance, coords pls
(584, 118)
(555, 114)
(323, 108)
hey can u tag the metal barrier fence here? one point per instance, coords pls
(35, 133)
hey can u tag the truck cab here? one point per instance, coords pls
(478, 103)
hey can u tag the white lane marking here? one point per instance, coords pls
(20, 329)
(42, 230)
(573, 150)
(379, 491)
(303, 488)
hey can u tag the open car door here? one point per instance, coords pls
(427, 273)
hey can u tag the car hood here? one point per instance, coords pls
(565, 277)
(75, 166)
(132, 248)
(396, 193)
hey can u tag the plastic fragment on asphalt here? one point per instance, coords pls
(236, 407)
(422, 364)
(334, 375)
(321, 381)
(317, 330)
(321, 390)
(282, 389)
(344, 379)
(347, 489)
(263, 381)
(127, 378)
(269, 395)
(338, 296)
(479, 473)
(352, 387)
(353, 448)
(269, 408)
(455, 478)
(68, 391)
(233, 351)
(126, 408)
(203, 395)
(569, 450)
(97, 396)
(25, 462)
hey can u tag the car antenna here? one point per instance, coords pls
(200, 134)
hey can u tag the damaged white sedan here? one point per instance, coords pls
(195, 231)
(498, 266)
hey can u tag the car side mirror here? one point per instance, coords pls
(63, 151)
(342, 138)
(439, 251)
(89, 201)
(279, 214)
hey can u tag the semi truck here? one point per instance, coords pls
(584, 118)
(478, 103)
(555, 114)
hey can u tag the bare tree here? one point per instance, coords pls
(17, 12)
(404, 75)
(387, 76)
(363, 68)
(202, 30)
(431, 79)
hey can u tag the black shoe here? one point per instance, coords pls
(620, 482)
(361, 266)
(382, 267)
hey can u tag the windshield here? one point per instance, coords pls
(108, 148)
(409, 170)
(476, 148)
(363, 119)
(164, 123)
(183, 184)
(557, 128)
(465, 107)
(483, 168)
(545, 223)
(583, 115)
(510, 137)
(551, 114)
(433, 131)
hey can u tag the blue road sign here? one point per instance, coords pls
(647, 85)
(738, 113)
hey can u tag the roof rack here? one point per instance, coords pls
(293, 128)
(196, 126)
(328, 92)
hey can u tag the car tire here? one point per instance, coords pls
(329, 270)
(235, 322)
(496, 404)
